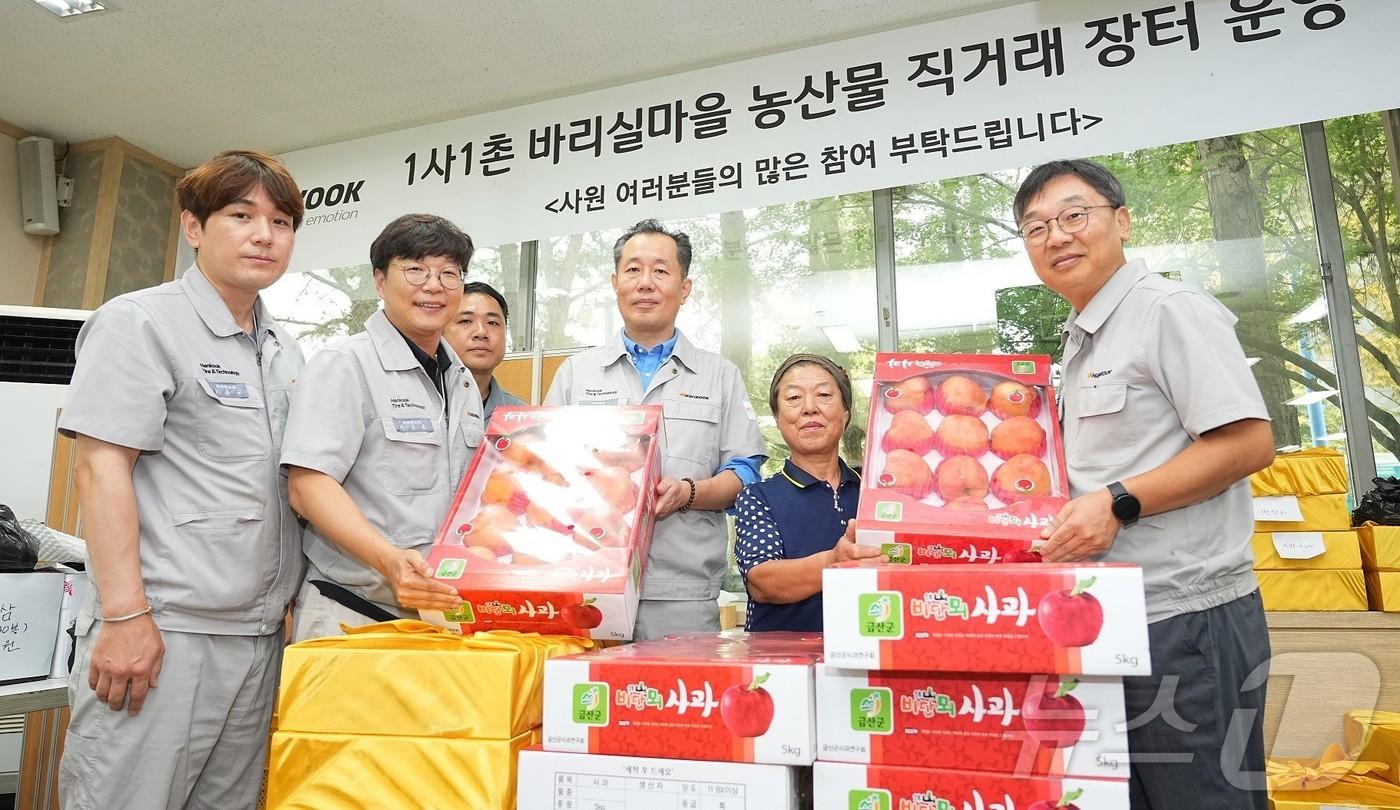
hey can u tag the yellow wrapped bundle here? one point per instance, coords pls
(1321, 513)
(1312, 590)
(411, 678)
(1331, 781)
(1374, 737)
(1380, 547)
(345, 771)
(1342, 550)
(1383, 590)
(1315, 471)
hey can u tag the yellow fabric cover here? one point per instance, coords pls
(1343, 552)
(1383, 590)
(1374, 737)
(345, 771)
(1313, 590)
(1315, 471)
(1380, 547)
(1331, 780)
(413, 679)
(1321, 513)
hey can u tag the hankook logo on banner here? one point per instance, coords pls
(983, 92)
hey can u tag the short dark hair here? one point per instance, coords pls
(418, 236)
(681, 239)
(482, 288)
(234, 174)
(1095, 174)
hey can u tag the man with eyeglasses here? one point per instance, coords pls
(1163, 424)
(379, 435)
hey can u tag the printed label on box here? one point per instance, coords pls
(1299, 545)
(1277, 509)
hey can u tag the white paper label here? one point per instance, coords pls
(1299, 545)
(1278, 508)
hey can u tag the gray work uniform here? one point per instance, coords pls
(707, 421)
(167, 371)
(368, 415)
(1149, 365)
(495, 398)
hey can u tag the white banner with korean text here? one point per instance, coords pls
(994, 90)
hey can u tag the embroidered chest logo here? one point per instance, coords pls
(1094, 375)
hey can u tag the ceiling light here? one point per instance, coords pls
(71, 8)
(842, 337)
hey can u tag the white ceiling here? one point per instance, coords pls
(187, 78)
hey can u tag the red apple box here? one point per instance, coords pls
(1030, 725)
(550, 527)
(963, 460)
(1088, 619)
(840, 786)
(728, 697)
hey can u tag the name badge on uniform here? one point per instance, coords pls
(413, 425)
(227, 390)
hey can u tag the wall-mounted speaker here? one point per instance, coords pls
(38, 187)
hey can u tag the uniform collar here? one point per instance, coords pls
(212, 308)
(394, 352)
(619, 345)
(802, 479)
(1109, 296)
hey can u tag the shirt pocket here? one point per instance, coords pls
(412, 461)
(232, 420)
(1106, 433)
(692, 430)
(222, 561)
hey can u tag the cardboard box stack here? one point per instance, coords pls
(963, 461)
(1380, 556)
(550, 528)
(971, 685)
(1306, 555)
(719, 720)
(404, 714)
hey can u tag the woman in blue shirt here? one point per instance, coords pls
(796, 523)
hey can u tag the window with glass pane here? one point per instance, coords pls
(1364, 154)
(768, 283)
(319, 306)
(1231, 215)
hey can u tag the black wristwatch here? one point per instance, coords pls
(1126, 506)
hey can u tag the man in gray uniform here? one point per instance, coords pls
(713, 446)
(178, 403)
(478, 335)
(379, 436)
(1163, 424)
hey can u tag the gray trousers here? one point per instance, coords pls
(1195, 733)
(657, 618)
(200, 740)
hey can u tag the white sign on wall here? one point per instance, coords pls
(988, 91)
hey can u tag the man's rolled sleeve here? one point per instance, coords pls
(1195, 357)
(757, 538)
(326, 423)
(123, 378)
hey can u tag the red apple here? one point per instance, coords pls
(616, 487)
(1022, 555)
(960, 395)
(961, 477)
(747, 712)
(1021, 477)
(492, 514)
(1053, 716)
(961, 435)
(908, 431)
(907, 473)
(584, 616)
(914, 394)
(1066, 802)
(488, 537)
(503, 488)
(630, 455)
(1071, 618)
(1018, 435)
(601, 525)
(967, 503)
(1014, 399)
